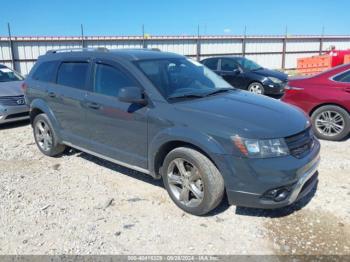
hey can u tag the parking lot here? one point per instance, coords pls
(78, 204)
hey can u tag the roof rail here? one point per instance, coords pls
(100, 49)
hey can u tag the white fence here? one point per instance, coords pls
(279, 52)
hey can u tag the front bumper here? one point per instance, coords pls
(13, 113)
(247, 181)
(274, 89)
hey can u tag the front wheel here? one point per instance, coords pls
(256, 88)
(192, 181)
(331, 122)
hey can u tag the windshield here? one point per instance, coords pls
(248, 65)
(182, 77)
(7, 75)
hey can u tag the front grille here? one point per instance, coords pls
(300, 144)
(12, 100)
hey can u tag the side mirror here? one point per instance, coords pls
(236, 71)
(132, 95)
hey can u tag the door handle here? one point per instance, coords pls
(51, 94)
(93, 105)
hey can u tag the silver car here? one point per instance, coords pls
(12, 103)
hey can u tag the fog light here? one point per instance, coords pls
(277, 194)
(281, 195)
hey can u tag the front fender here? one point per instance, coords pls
(39, 104)
(185, 135)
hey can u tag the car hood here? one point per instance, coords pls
(12, 88)
(248, 115)
(271, 73)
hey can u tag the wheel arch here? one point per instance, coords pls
(327, 104)
(38, 106)
(164, 143)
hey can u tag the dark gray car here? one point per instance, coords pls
(12, 102)
(170, 117)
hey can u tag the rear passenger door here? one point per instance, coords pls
(117, 129)
(67, 99)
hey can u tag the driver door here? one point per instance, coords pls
(117, 129)
(231, 72)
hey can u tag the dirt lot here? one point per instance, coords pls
(78, 204)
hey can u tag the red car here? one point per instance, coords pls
(325, 97)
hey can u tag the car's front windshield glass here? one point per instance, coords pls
(7, 75)
(182, 78)
(248, 65)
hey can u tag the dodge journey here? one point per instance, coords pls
(173, 118)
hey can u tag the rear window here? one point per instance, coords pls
(344, 77)
(73, 74)
(45, 71)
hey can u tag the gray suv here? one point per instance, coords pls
(172, 118)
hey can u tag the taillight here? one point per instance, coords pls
(24, 86)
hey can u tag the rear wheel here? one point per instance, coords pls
(45, 136)
(331, 122)
(256, 88)
(192, 181)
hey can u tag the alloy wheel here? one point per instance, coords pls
(330, 123)
(43, 135)
(185, 182)
(256, 89)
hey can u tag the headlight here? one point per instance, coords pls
(261, 148)
(275, 80)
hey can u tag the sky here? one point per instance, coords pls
(175, 17)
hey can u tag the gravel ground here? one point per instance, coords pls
(79, 204)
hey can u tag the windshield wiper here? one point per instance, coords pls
(186, 96)
(220, 90)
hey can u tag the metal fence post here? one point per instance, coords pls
(198, 51)
(321, 45)
(284, 52)
(11, 47)
(82, 36)
(244, 41)
(144, 43)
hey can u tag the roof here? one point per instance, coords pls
(128, 54)
(2, 66)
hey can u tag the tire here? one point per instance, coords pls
(204, 181)
(327, 121)
(256, 88)
(43, 134)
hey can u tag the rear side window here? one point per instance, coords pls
(45, 71)
(211, 64)
(344, 77)
(109, 80)
(228, 65)
(73, 74)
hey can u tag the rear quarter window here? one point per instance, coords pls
(344, 77)
(45, 72)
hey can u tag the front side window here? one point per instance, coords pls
(179, 77)
(8, 75)
(73, 74)
(228, 65)
(247, 65)
(109, 80)
(344, 77)
(45, 71)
